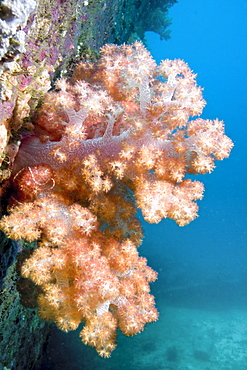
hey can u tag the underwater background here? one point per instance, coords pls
(201, 292)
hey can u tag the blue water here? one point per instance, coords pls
(202, 288)
(212, 37)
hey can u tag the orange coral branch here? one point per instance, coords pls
(117, 136)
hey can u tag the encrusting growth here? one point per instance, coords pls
(115, 137)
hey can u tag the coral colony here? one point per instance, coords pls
(113, 138)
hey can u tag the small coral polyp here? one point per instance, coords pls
(115, 137)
